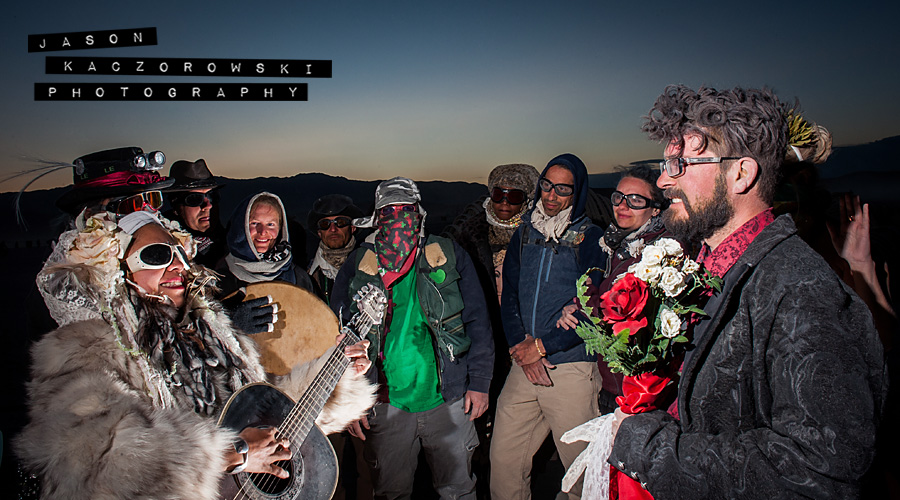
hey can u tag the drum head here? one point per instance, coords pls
(305, 329)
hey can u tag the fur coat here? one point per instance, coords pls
(105, 424)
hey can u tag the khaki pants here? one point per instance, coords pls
(527, 412)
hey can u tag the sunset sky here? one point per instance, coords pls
(445, 90)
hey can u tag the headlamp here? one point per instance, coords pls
(150, 161)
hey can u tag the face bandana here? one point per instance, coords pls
(396, 238)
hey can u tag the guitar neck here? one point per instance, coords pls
(302, 417)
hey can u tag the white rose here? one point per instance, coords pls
(671, 247)
(653, 255)
(689, 266)
(669, 323)
(671, 281)
(644, 272)
(635, 247)
(96, 247)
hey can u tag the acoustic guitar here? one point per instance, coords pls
(313, 467)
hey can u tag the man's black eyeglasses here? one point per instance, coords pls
(561, 189)
(339, 222)
(634, 201)
(675, 166)
(513, 196)
(197, 199)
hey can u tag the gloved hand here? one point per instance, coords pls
(254, 315)
(591, 461)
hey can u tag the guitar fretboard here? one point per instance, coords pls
(300, 420)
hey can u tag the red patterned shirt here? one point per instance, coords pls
(720, 260)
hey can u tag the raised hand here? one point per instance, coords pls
(852, 240)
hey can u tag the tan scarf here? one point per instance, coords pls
(550, 227)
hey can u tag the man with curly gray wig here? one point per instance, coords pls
(782, 390)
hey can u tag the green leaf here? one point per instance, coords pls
(581, 289)
(694, 309)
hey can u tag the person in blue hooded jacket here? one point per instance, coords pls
(555, 385)
(259, 247)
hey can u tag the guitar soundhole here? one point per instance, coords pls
(271, 485)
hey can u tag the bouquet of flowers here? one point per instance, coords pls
(640, 327)
(645, 314)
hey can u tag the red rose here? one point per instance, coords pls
(623, 304)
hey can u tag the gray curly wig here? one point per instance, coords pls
(735, 122)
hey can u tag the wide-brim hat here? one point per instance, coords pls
(191, 175)
(331, 205)
(112, 173)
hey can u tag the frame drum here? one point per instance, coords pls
(305, 329)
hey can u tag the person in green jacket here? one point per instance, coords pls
(434, 351)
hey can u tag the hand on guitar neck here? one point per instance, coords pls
(312, 466)
(359, 360)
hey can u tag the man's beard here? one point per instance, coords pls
(336, 243)
(703, 221)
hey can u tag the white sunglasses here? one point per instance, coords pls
(156, 256)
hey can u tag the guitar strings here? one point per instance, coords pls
(296, 428)
(313, 399)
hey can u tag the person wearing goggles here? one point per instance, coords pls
(142, 368)
(637, 207)
(483, 230)
(553, 383)
(195, 205)
(148, 201)
(636, 200)
(102, 180)
(331, 218)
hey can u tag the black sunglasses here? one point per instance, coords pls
(513, 196)
(340, 222)
(198, 199)
(634, 201)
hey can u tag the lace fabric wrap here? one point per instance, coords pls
(78, 291)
